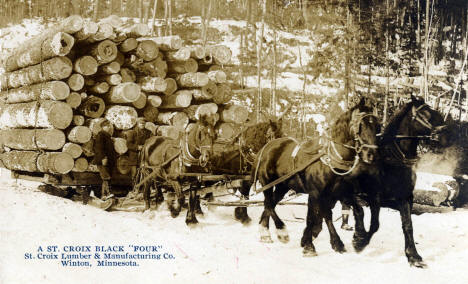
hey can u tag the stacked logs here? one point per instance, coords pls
(60, 86)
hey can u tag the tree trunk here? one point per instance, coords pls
(122, 117)
(73, 149)
(140, 103)
(128, 45)
(99, 88)
(78, 120)
(52, 90)
(81, 165)
(75, 82)
(147, 50)
(110, 68)
(226, 131)
(74, 100)
(79, 134)
(234, 113)
(167, 43)
(221, 54)
(183, 54)
(152, 84)
(32, 161)
(218, 76)
(123, 93)
(86, 65)
(197, 52)
(58, 44)
(192, 80)
(47, 114)
(105, 31)
(104, 52)
(32, 139)
(194, 111)
(171, 86)
(179, 99)
(223, 94)
(154, 100)
(92, 107)
(111, 79)
(135, 30)
(89, 29)
(56, 68)
(189, 66)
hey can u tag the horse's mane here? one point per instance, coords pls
(341, 126)
(255, 135)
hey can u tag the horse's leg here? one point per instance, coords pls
(147, 194)
(175, 207)
(335, 239)
(410, 248)
(281, 230)
(360, 239)
(240, 213)
(264, 228)
(159, 193)
(191, 216)
(197, 205)
(313, 227)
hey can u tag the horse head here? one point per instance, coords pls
(364, 127)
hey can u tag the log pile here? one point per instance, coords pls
(60, 85)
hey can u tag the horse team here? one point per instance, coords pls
(355, 162)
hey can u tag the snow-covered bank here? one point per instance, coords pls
(219, 249)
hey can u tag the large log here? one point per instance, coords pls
(183, 54)
(123, 93)
(104, 32)
(47, 114)
(32, 139)
(56, 68)
(205, 93)
(434, 197)
(89, 28)
(127, 75)
(140, 103)
(155, 68)
(52, 90)
(75, 82)
(221, 54)
(168, 131)
(194, 111)
(167, 43)
(223, 94)
(110, 68)
(78, 120)
(120, 145)
(226, 131)
(95, 125)
(128, 45)
(234, 113)
(59, 44)
(122, 117)
(81, 165)
(99, 88)
(33, 161)
(171, 86)
(192, 80)
(69, 25)
(74, 100)
(113, 20)
(79, 134)
(150, 113)
(190, 65)
(111, 79)
(179, 99)
(152, 84)
(73, 149)
(197, 52)
(217, 76)
(147, 50)
(154, 100)
(178, 119)
(92, 107)
(85, 65)
(104, 52)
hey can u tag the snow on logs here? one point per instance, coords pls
(60, 86)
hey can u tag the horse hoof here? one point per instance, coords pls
(418, 263)
(283, 239)
(283, 235)
(266, 239)
(309, 251)
(359, 243)
(346, 227)
(339, 247)
(191, 222)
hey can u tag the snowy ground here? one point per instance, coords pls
(219, 249)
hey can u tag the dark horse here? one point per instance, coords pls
(396, 179)
(168, 159)
(316, 169)
(237, 156)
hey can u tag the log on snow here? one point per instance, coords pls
(56, 68)
(52, 90)
(431, 197)
(73, 149)
(58, 44)
(92, 107)
(122, 117)
(32, 139)
(33, 161)
(179, 99)
(123, 93)
(152, 84)
(79, 134)
(178, 119)
(39, 114)
(221, 54)
(234, 113)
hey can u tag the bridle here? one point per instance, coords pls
(188, 157)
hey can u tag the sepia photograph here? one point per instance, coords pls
(233, 141)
